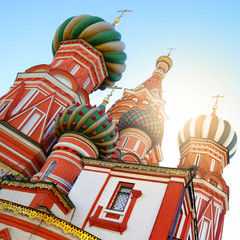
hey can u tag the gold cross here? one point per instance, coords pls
(215, 106)
(170, 50)
(117, 20)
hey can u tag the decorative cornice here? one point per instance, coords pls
(12, 170)
(47, 218)
(44, 185)
(203, 140)
(132, 166)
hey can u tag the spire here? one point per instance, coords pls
(154, 83)
(117, 20)
(215, 106)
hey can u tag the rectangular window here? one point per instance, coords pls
(75, 69)
(121, 197)
(212, 165)
(197, 160)
(58, 63)
(86, 83)
(3, 107)
(204, 230)
(214, 183)
(124, 142)
(31, 122)
(137, 145)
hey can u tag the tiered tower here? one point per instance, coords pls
(140, 117)
(88, 55)
(208, 142)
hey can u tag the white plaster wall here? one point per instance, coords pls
(84, 193)
(57, 211)
(17, 234)
(144, 213)
(23, 198)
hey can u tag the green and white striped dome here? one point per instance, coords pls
(101, 35)
(91, 122)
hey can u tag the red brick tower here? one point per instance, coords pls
(208, 142)
(142, 141)
(88, 55)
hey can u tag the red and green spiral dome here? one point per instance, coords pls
(90, 122)
(144, 120)
(101, 35)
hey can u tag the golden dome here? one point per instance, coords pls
(165, 59)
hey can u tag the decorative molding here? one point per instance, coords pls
(47, 218)
(11, 170)
(42, 185)
(112, 164)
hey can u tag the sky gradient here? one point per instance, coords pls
(205, 62)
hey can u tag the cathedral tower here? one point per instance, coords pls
(88, 55)
(208, 142)
(140, 117)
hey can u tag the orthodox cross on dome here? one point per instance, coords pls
(170, 50)
(106, 99)
(117, 20)
(215, 106)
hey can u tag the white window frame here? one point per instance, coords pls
(212, 165)
(137, 145)
(29, 124)
(58, 63)
(86, 83)
(75, 69)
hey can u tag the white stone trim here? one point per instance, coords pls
(87, 50)
(64, 144)
(83, 65)
(61, 180)
(25, 142)
(16, 163)
(19, 155)
(50, 78)
(65, 158)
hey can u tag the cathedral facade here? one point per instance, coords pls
(70, 170)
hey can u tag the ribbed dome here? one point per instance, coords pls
(91, 122)
(210, 127)
(145, 121)
(99, 34)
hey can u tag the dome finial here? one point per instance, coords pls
(215, 106)
(117, 20)
(106, 99)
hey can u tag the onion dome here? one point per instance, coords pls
(145, 121)
(99, 34)
(165, 59)
(210, 127)
(90, 122)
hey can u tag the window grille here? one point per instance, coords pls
(121, 198)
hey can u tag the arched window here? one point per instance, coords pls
(49, 170)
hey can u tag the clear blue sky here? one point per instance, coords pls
(206, 60)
